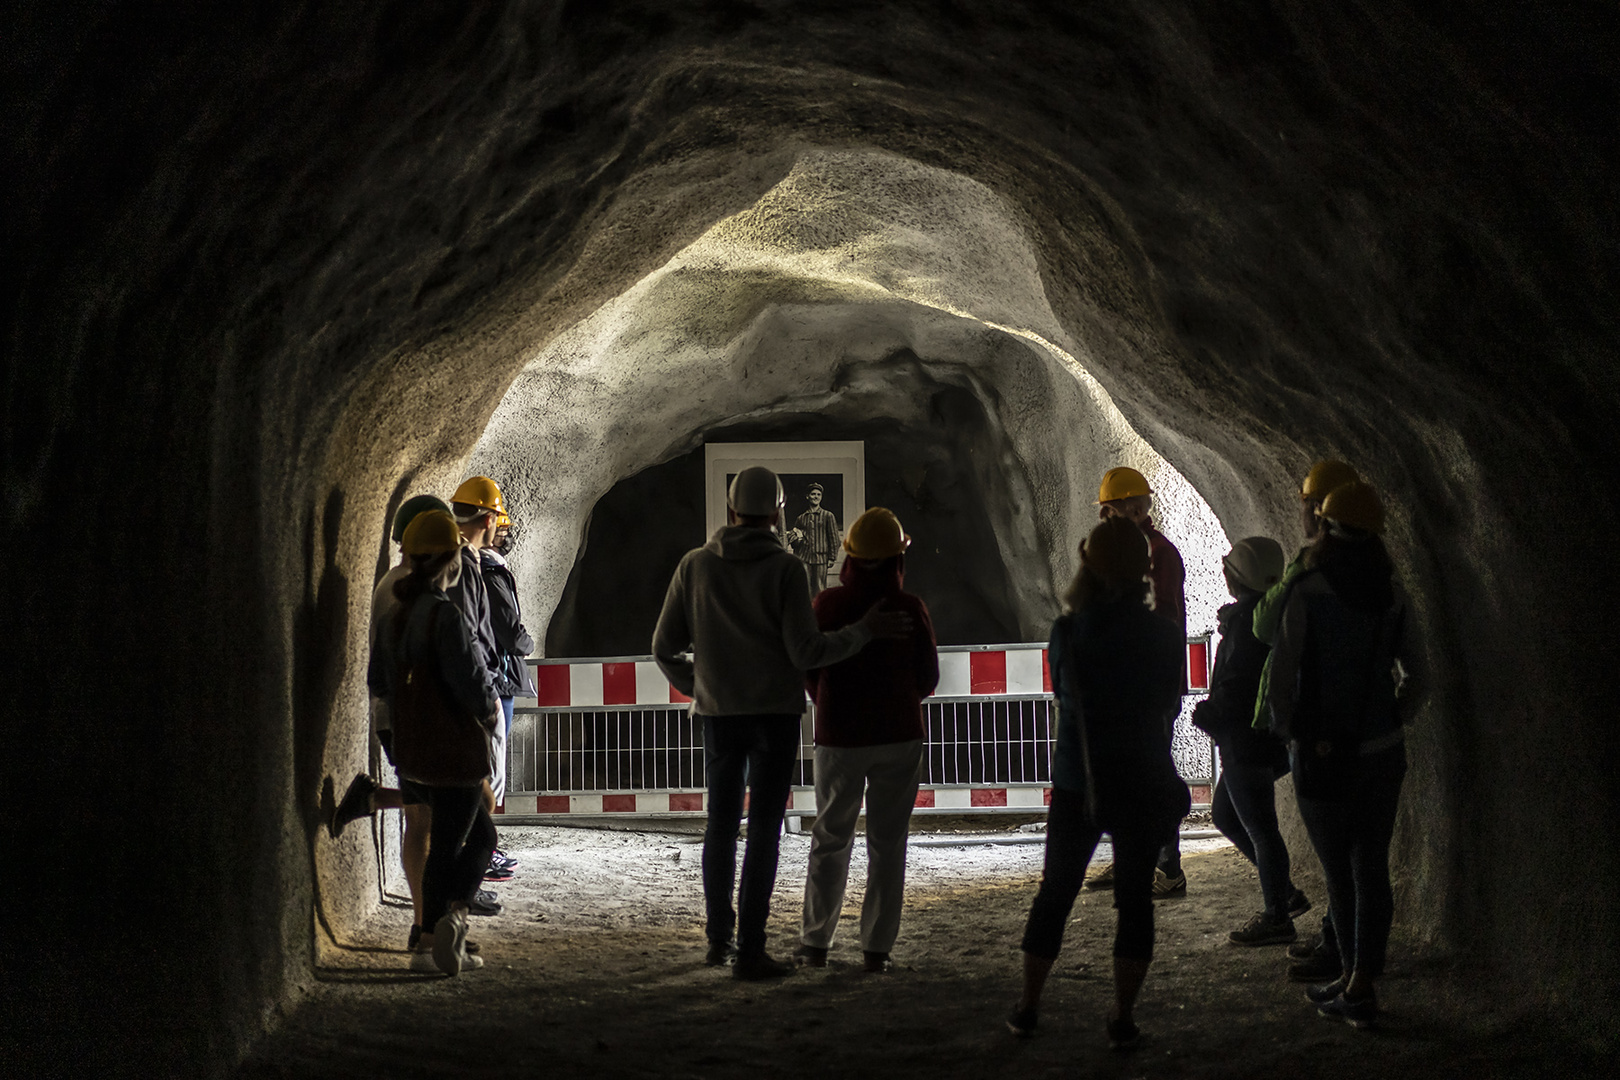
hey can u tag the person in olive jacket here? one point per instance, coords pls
(1244, 805)
(869, 741)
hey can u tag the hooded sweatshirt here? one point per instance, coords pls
(741, 604)
(874, 697)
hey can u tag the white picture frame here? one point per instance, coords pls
(839, 466)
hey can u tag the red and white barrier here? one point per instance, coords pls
(964, 671)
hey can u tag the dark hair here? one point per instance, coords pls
(1090, 587)
(1357, 566)
(424, 568)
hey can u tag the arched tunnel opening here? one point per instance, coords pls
(278, 271)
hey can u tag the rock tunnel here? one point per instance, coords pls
(275, 270)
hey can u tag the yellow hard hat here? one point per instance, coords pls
(1324, 477)
(432, 532)
(1116, 550)
(1122, 483)
(876, 534)
(482, 492)
(1356, 505)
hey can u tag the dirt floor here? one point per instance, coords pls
(595, 968)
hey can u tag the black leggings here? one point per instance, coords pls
(1071, 839)
(460, 843)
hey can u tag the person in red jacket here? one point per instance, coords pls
(869, 741)
(1124, 493)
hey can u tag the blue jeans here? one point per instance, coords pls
(757, 753)
(1352, 840)
(1244, 807)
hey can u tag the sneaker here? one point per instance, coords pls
(1022, 1023)
(1304, 950)
(1321, 967)
(422, 962)
(449, 942)
(469, 962)
(1360, 1013)
(1325, 991)
(1102, 879)
(1123, 1034)
(1166, 886)
(757, 967)
(483, 904)
(1298, 904)
(720, 954)
(356, 803)
(498, 873)
(878, 963)
(1263, 930)
(415, 938)
(502, 859)
(810, 956)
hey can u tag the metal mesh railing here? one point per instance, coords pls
(989, 741)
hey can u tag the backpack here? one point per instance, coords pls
(435, 742)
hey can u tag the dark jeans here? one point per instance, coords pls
(458, 850)
(1071, 839)
(756, 752)
(1244, 807)
(1352, 841)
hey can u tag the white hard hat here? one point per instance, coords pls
(755, 492)
(1256, 562)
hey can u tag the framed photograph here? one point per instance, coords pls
(824, 489)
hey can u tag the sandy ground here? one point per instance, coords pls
(595, 969)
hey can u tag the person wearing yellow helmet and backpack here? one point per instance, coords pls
(428, 667)
(1344, 668)
(1317, 958)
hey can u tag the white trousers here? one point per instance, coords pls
(888, 777)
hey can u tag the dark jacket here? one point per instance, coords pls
(506, 621)
(874, 697)
(1227, 714)
(1116, 671)
(445, 636)
(471, 595)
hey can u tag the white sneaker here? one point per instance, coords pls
(469, 962)
(422, 961)
(449, 943)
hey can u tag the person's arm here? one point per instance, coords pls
(1286, 654)
(807, 646)
(1411, 670)
(672, 637)
(822, 611)
(505, 617)
(461, 663)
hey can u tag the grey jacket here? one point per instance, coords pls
(740, 604)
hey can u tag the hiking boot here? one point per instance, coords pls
(1326, 991)
(1022, 1022)
(720, 954)
(356, 803)
(1123, 1034)
(1298, 904)
(756, 967)
(1264, 930)
(1102, 879)
(877, 963)
(810, 956)
(1165, 886)
(1304, 950)
(1359, 1013)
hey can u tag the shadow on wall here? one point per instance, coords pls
(639, 530)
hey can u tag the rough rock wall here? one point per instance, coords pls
(274, 266)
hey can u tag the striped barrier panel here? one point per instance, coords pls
(611, 736)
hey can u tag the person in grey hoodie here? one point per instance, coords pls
(741, 605)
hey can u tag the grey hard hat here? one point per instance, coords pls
(755, 491)
(1256, 562)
